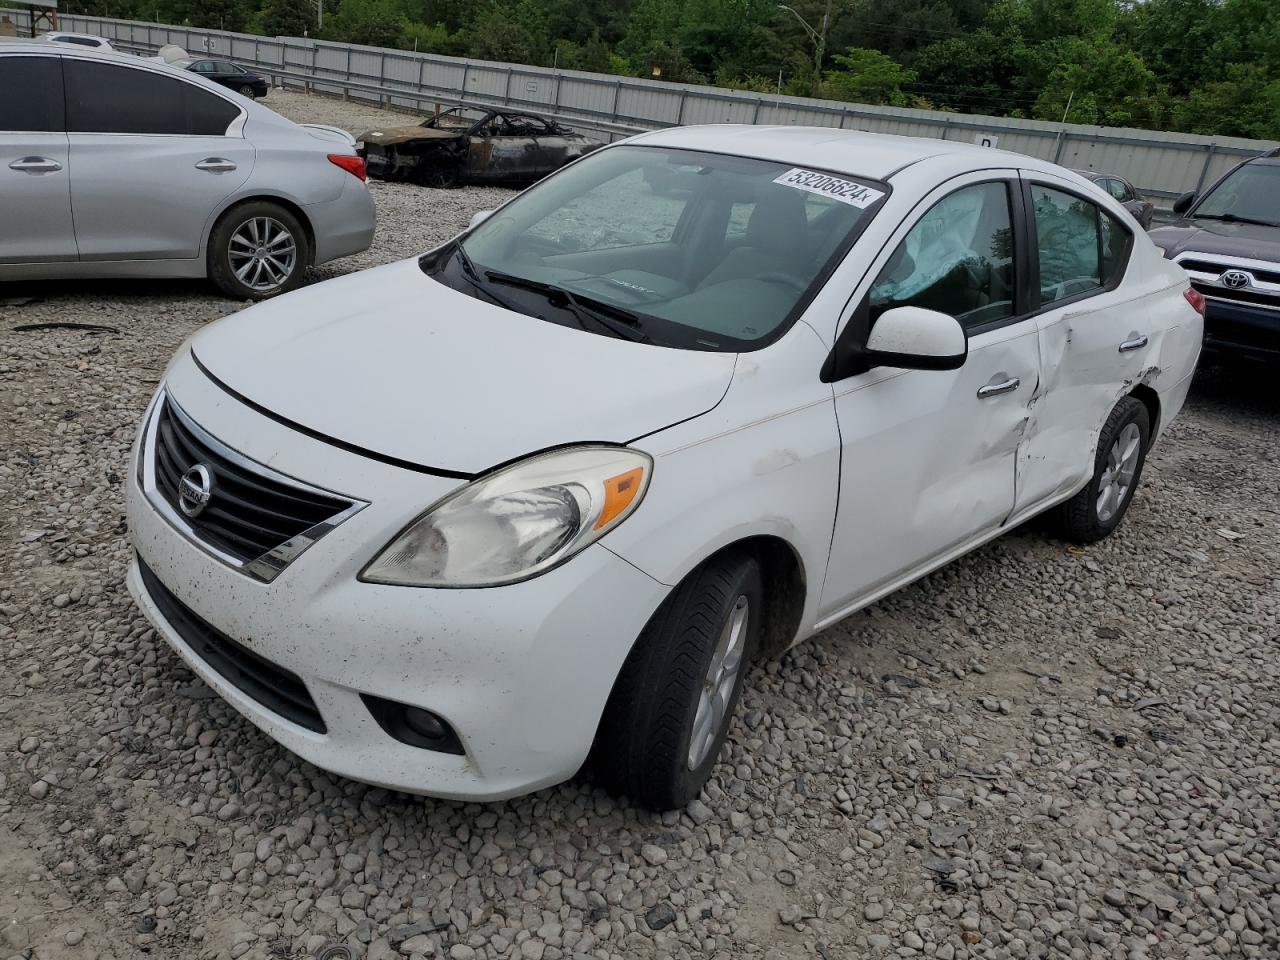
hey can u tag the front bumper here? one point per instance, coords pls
(1242, 330)
(520, 672)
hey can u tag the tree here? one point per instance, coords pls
(1246, 103)
(1103, 83)
(288, 18)
(868, 76)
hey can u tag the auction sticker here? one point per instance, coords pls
(825, 185)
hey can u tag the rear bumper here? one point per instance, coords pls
(343, 226)
(1242, 330)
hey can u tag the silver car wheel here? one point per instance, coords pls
(262, 253)
(1117, 474)
(717, 686)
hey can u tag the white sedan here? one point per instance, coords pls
(460, 524)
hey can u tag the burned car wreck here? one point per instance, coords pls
(455, 146)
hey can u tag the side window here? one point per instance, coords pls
(958, 259)
(1067, 230)
(39, 108)
(104, 98)
(1117, 243)
(1119, 190)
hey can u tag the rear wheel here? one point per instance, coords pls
(671, 706)
(1097, 510)
(258, 250)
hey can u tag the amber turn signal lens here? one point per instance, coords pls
(619, 491)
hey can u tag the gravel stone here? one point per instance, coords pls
(1074, 755)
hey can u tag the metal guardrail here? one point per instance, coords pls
(1162, 165)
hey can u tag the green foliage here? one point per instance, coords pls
(868, 76)
(288, 18)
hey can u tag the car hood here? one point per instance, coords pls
(1249, 240)
(394, 362)
(404, 134)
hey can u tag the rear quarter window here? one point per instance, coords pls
(104, 98)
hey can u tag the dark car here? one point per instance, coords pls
(228, 74)
(459, 146)
(1228, 241)
(1143, 210)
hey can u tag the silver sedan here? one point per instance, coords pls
(111, 166)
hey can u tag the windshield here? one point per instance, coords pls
(451, 119)
(694, 250)
(1251, 193)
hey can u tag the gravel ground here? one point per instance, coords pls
(1038, 751)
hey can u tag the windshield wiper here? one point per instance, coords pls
(1235, 218)
(473, 277)
(625, 326)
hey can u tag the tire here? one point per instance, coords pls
(645, 746)
(442, 178)
(248, 91)
(238, 224)
(1088, 517)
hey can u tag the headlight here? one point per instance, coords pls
(518, 522)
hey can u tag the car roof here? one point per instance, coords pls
(874, 155)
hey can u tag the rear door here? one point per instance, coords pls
(35, 172)
(503, 150)
(153, 156)
(1095, 335)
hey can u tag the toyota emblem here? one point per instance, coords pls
(194, 490)
(1235, 279)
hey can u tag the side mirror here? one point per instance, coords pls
(917, 339)
(1184, 202)
(1134, 207)
(477, 218)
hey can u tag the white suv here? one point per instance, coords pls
(449, 524)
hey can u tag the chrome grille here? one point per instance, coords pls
(255, 517)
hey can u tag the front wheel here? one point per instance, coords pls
(248, 91)
(671, 705)
(1097, 510)
(258, 250)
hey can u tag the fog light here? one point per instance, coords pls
(413, 725)
(425, 724)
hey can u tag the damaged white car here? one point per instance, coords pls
(462, 524)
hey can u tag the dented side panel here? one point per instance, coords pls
(927, 464)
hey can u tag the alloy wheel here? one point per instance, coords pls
(717, 687)
(262, 253)
(1118, 473)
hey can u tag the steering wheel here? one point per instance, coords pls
(786, 279)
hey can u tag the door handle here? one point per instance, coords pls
(216, 165)
(36, 165)
(995, 389)
(1137, 343)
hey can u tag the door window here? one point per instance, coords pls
(1082, 248)
(225, 66)
(104, 98)
(39, 107)
(958, 259)
(1067, 229)
(203, 66)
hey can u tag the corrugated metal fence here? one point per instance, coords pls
(1161, 165)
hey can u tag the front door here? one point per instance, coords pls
(1094, 338)
(35, 171)
(151, 158)
(928, 458)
